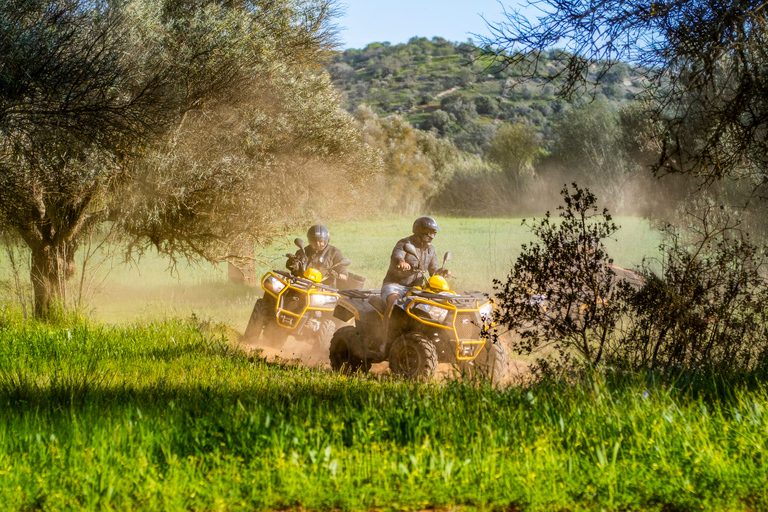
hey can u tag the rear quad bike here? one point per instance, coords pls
(294, 305)
(431, 324)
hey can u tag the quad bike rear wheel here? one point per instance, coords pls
(414, 356)
(342, 358)
(256, 323)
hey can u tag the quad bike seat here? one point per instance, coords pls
(378, 304)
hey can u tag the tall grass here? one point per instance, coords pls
(168, 417)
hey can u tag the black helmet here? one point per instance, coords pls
(318, 232)
(424, 225)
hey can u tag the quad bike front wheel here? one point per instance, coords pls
(323, 335)
(256, 323)
(341, 356)
(490, 363)
(274, 335)
(414, 356)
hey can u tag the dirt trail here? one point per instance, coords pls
(296, 352)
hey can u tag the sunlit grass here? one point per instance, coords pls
(168, 417)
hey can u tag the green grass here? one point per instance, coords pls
(482, 249)
(167, 417)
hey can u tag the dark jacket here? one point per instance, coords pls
(323, 261)
(427, 261)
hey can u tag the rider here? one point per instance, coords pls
(404, 268)
(319, 255)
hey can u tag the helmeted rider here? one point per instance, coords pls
(403, 273)
(320, 255)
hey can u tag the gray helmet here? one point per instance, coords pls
(424, 225)
(318, 232)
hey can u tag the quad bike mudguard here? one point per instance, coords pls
(366, 309)
(456, 324)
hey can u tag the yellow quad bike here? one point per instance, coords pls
(432, 324)
(299, 306)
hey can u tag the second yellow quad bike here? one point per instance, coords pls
(299, 306)
(431, 324)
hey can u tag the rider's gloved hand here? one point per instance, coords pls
(403, 265)
(444, 272)
(343, 277)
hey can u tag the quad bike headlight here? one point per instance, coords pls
(486, 312)
(318, 301)
(273, 284)
(436, 313)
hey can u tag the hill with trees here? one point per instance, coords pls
(451, 88)
(516, 141)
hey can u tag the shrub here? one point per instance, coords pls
(562, 293)
(705, 313)
(707, 309)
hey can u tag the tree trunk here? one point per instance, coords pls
(52, 267)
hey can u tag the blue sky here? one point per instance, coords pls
(396, 21)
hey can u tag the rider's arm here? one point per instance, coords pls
(294, 263)
(398, 255)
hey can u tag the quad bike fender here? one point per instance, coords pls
(345, 311)
(360, 310)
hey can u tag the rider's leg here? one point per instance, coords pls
(391, 299)
(390, 292)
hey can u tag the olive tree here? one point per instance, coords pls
(600, 161)
(417, 164)
(515, 148)
(178, 122)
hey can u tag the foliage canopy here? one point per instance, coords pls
(704, 65)
(185, 124)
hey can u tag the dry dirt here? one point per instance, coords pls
(296, 352)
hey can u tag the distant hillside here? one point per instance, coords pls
(442, 85)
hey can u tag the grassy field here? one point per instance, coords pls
(482, 249)
(167, 416)
(156, 414)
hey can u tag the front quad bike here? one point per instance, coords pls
(292, 305)
(295, 305)
(428, 326)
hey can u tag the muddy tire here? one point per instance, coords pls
(256, 323)
(414, 356)
(342, 358)
(491, 363)
(323, 336)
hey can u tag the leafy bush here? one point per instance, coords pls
(706, 310)
(705, 313)
(562, 293)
